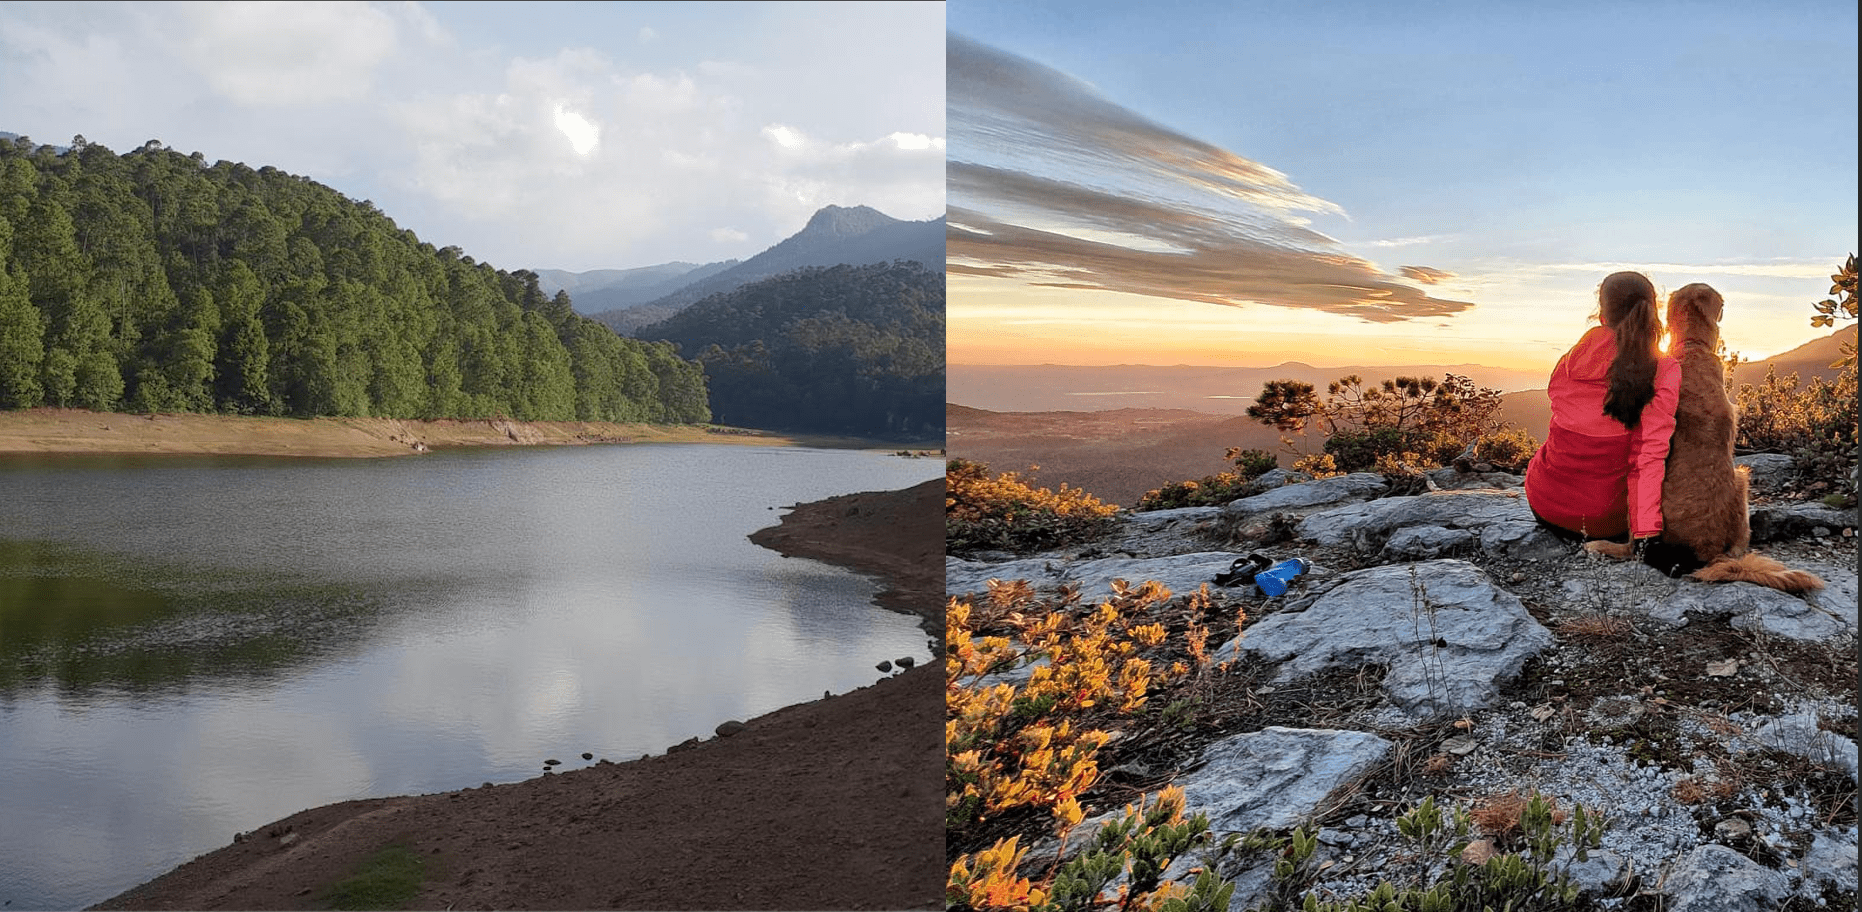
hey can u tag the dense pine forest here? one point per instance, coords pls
(855, 350)
(152, 281)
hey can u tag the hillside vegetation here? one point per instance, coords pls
(855, 350)
(155, 282)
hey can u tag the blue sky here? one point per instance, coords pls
(532, 135)
(1402, 180)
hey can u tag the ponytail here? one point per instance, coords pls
(1627, 306)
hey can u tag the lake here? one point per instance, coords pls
(194, 647)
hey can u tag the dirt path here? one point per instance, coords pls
(833, 804)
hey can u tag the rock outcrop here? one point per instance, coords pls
(1502, 660)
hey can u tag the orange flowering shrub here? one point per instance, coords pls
(1010, 745)
(991, 882)
(1034, 744)
(1004, 512)
(1139, 846)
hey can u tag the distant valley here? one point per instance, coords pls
(1218, 390)
(1230, 390)
(1118, 432)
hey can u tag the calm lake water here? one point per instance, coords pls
(193, 647)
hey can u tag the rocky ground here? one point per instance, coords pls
(823, 805)
(1444, 645)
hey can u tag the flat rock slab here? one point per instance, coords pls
(1446, 633)
(1800, 735)
(1422, 542)
(1838, 596)
(1276, 777)
(1181, 574)
(1821, 616)
(1831, 860)
(1769, 470)
(968, 577)
(1715, 878)
(1338, 489)
(1797, 520)
(1453, 479)
(1153, 521)
(1500, 518)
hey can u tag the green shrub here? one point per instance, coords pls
(1814, 422)
(1407, 423)
(1508, 449)
(388, 879)
(1212, 490)
(1517, 872)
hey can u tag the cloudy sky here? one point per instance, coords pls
(1371, 183)
(532, 135)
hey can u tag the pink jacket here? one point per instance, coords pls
(1593, 475)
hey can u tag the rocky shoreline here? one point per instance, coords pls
(1444, 645)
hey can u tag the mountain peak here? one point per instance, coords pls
(843, 221)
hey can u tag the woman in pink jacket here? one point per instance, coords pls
(1599, 472)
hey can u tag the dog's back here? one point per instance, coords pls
(1703, 493)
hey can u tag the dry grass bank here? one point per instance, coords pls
(47, 430)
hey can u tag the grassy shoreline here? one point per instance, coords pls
(69, 431)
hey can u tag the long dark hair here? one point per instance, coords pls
(1626, 304)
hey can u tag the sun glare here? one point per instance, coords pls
(582, 135)
(783, 135)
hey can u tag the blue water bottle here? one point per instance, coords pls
(1273, 581)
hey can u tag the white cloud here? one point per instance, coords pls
(914, 142)
(728, 236)
(1780, 269)
(423, 24)
(785, 136)
(461, 141)
(582, 135)
(283, 53)
(1410, 241)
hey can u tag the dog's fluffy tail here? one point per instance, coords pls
(1752, 567)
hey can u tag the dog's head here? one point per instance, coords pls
(1694, 315)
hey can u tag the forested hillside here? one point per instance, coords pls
(153, 281)
(841, 349)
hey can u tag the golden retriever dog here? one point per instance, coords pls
(1704, 518)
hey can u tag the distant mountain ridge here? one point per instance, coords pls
(601, 290)
(1210, 389)
(834, 236)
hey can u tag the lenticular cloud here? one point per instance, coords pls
(1053, 184)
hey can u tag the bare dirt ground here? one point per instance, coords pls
(833, 804)
(47, 430)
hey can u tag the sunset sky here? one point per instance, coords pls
(1373, 183)
(539, 135)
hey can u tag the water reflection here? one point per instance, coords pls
(190, 648)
